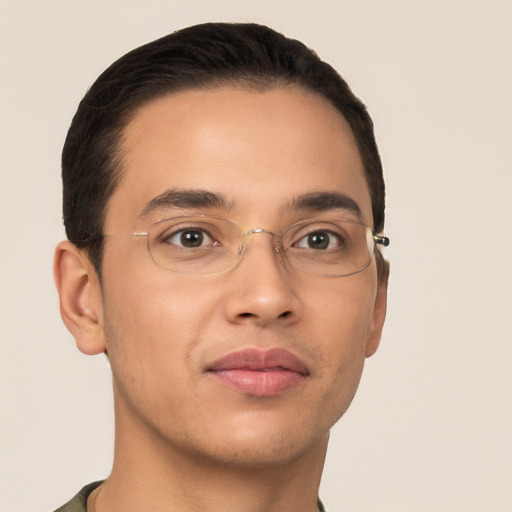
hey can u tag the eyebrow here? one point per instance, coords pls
(196, 199)
(204, 199)
(323, 202)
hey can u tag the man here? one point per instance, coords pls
(222, 198)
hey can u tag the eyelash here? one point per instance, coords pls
(175, 238)
(166, 237)
(333, 237)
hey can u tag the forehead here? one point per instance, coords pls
(258, 150)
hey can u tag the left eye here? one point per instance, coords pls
(189, 238)
(320, 240)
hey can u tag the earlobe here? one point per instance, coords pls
(81, 305)
(379, 315)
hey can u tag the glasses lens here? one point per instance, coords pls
(195, 245)
(210, 245)
(329, 248)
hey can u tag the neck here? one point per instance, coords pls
(149, 473)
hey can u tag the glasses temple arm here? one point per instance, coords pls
(381, 240)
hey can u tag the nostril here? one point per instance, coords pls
(246, 315)
(286, 314)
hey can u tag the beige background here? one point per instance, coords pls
(431, 427)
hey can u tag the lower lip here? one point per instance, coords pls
(260, 383)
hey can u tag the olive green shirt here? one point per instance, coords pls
(79, 502)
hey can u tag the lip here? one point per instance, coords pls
(260, 373)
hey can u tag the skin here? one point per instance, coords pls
(184, 439)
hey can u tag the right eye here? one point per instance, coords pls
(189, 238)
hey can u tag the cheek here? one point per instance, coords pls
(344, 310)
(152, 328)
(343, 318)
(157, 316)
(152, 318)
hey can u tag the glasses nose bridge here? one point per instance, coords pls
(275, 238)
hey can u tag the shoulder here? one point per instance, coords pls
(321, 507)
(79, 502)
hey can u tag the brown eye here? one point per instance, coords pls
(189, 238)
(320, 240)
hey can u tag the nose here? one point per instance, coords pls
(261, 289)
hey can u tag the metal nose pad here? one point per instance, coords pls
(243, 248)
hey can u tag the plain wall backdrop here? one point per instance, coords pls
(431, 426)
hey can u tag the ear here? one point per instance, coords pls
(81, 305)
(379, 315)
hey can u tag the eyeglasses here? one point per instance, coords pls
(204, 245)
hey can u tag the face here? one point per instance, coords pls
(252, 366)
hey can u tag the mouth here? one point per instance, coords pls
(260, 373)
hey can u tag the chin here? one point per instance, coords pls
(263, 448)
